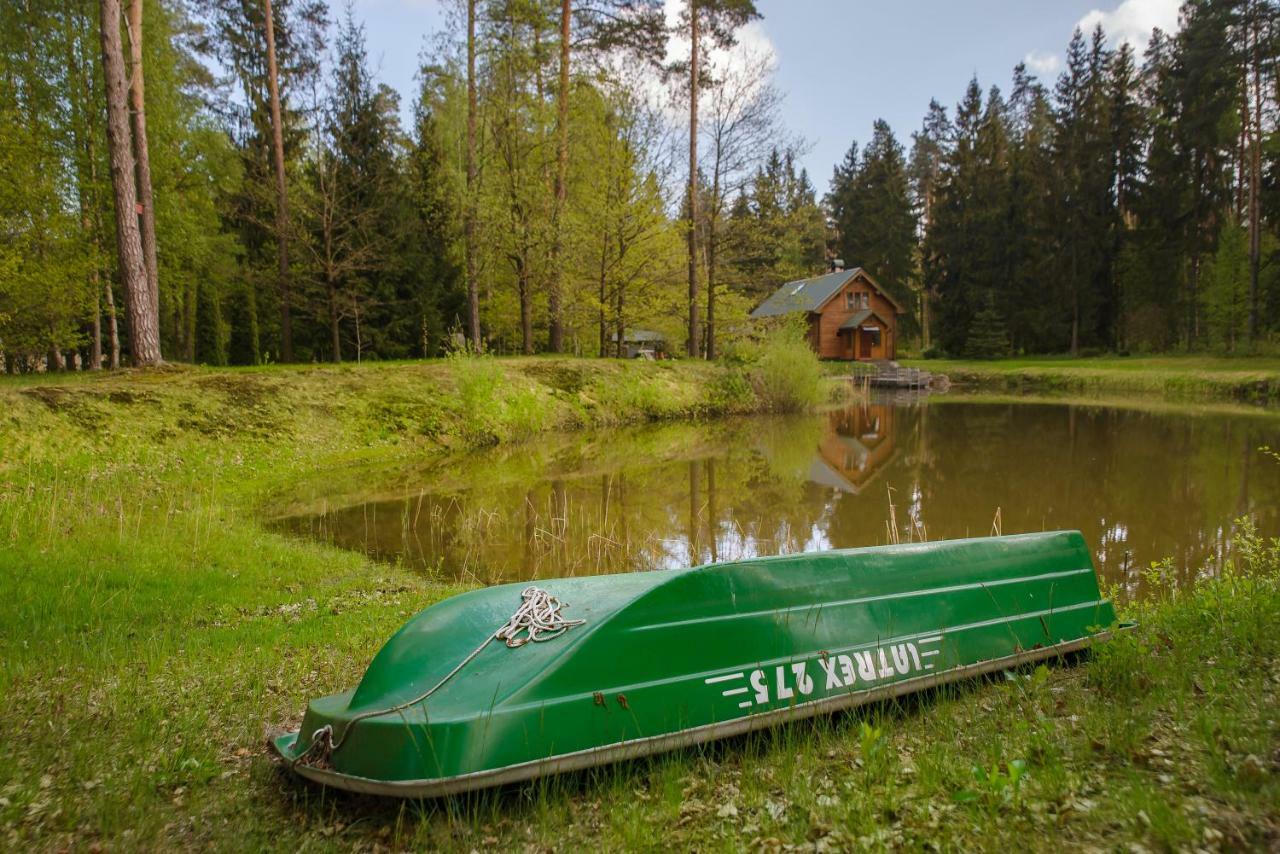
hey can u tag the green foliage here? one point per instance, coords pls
(733, 392)
(786, 373)
(871, 207)
(873, 752)
(996, 787)
(776, 231)
(987, 338)
(493, 408)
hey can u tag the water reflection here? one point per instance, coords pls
(1141, 486)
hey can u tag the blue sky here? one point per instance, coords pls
(845, 63)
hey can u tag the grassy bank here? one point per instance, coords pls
(1182, 377)
(152, 632)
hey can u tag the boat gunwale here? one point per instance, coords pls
(878, 597)
(655, 744)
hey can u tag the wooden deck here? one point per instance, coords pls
(889, 374)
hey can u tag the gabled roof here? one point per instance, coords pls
(812, 294)
(856, 319)
(642, 335)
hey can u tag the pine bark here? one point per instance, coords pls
(694, 330)
(469, 224)
(141, 157)
(282, 190)
(556, 325)
(144, 325)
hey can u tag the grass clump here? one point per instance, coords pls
(785, 372)
(494, 407)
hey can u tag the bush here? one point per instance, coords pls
(493, 409)
(731, 391)
(787, 374)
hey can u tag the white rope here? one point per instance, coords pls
(538, 616)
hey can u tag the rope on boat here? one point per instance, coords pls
(538, 618)
(539, 615)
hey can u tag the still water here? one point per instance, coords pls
(1141, 485)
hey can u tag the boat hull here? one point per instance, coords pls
(675, 658)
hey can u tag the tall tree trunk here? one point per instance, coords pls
(604, 295)
(694, 330)
(335, 338)
(622, 323)
(555, 324)
(526, 304)
(282, 190)
(712, 246)
(191, 317)
(1075, 306)
(469, 224)
(95, 345)
(1255, 173)
(142, 160)
(113, 329)
(87, 199)
(144, 325)
(1193, 288)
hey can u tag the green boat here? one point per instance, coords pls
(508, 683)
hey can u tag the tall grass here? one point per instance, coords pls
(786, 373)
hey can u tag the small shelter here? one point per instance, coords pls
(850, 316)
(644, 344)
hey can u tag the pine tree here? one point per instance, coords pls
(870, 204)
(987, 338)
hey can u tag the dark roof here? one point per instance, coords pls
(812, 294)
(803, 294)
(857, 318)
(642, 335)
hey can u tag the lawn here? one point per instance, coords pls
(153, 631)
(1255, 379)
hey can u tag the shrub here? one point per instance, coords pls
(787, 374)
(493, 409)
(731, 391)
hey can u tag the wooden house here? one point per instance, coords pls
(850, 316)
(858, 443)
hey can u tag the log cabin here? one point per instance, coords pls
(849, 315)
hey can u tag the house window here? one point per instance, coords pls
(850, 299)
(865, 299)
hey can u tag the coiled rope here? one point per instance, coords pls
(538, 619)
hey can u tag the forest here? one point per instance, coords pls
(228, 182)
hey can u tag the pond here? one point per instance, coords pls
(1142, 485)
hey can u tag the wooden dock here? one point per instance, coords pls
(888, 374)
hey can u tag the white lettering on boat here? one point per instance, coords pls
(863, 668)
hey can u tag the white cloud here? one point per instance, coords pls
(1043, 64)
(1133, 20)
(753, 43)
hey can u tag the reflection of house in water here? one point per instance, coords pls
(857, 444)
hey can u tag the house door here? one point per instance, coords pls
(869, 336)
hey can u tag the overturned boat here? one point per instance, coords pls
(509, 683)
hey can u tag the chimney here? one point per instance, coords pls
(837, 265)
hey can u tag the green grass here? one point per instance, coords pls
(152, 632)
(1255, 379)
